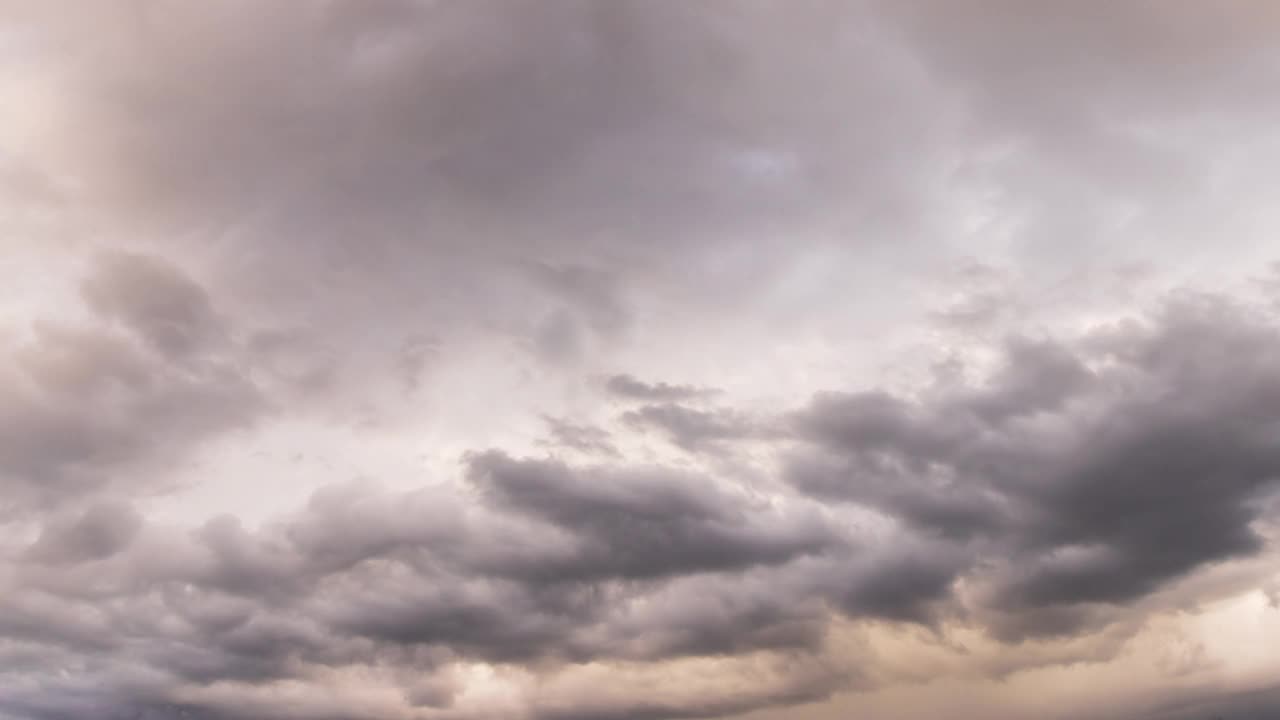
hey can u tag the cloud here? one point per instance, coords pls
(474, 149)
(379, 263)
(1256, 702)
(645, 523)
(86, 405)
(154, 300)
(1061, 467)
(628, 387)
(753, 698)
(1050, 510)
(694, 429)
(586, 439)
(100, 531)
(536, 120)
(359, 575)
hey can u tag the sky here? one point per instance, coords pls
(639, 359)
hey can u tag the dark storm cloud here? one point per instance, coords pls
(1082, 473)
(497, 621)
(907, 584)
(1101, 470)
(615, 522)
(646, 523)
(558, 562)
(724, 615)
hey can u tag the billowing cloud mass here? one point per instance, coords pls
(586, 360)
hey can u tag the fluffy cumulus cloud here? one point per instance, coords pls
(627, 360)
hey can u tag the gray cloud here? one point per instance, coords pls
(809, 690)
(1237, 705)
(436, 158)
(535, 121)
(629, 387)
(1065, 460)
(357, 575)
(154, 300)
(385, 233)
(645, 523)
(100, 531)
(86, 405)
(1056, 503)
(695, 429)
(586, 439)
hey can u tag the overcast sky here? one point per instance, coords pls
(639, 359)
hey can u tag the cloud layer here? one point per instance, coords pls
(636, 361)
